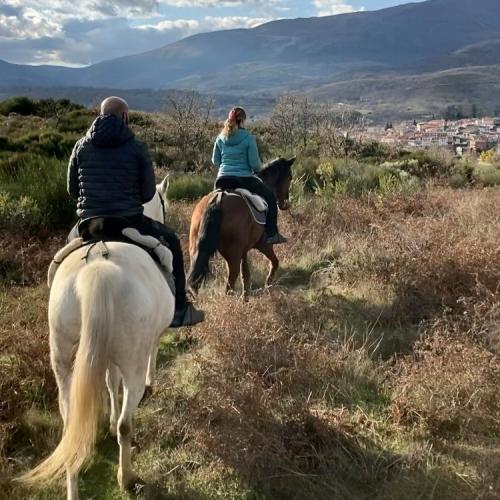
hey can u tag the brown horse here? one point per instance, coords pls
(228, 226)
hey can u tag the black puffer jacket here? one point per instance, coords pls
(109, 171)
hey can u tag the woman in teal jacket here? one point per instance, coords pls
(236, 156)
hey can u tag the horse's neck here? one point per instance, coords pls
(154, 209)
(269, 182)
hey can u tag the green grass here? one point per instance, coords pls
(189, 188)
(33, 192)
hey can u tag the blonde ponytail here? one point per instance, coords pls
(234, 120)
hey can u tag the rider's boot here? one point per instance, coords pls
(276, 238)
(187, 315)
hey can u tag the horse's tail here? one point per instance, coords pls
(207, 242)
(96, 286)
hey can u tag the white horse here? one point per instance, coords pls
(112, 312)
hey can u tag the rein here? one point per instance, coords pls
(163, 206)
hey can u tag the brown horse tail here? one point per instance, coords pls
(208, 241)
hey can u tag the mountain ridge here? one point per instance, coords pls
(302, 54)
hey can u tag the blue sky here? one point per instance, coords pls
(81, 32)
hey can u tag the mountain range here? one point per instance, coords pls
(417, 57)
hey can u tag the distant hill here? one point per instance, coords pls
(318, 55)
(138, 99)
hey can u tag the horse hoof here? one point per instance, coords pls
(133, 484)
(148, 392)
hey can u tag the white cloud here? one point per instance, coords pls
(219, 3)
(27, 24)
(167, 25)
(89, 31)
(334, 7)
(208, 23)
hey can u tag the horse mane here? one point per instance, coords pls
(276, 168)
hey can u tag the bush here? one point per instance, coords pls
(189, 187)
(351, 178)
(34, 193)
(20, 212)
(487, 175)
(20, 105)
(76, 121)
(428, 163)
(43, 107)
(306, 169)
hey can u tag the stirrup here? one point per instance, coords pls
(276, 239)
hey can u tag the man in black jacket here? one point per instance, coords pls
(111, 174)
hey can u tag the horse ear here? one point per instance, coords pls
(163, 187)
(291, 161)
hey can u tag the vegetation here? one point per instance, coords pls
(370, 370)
(189, 188)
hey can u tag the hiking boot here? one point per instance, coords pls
(187, 316)
(276, 239)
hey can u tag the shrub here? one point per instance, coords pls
(352, 178)
(428, 163)
(20, 105)
(35, 193)
(75, 121)
(450, 385)
(189, 187)
(306, 168)
(55, 144)
(20, 212)
(487, 175)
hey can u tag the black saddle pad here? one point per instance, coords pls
(107, 229)
(102, 229)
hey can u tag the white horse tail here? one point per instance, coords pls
(97, 284)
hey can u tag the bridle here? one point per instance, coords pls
(163, 205)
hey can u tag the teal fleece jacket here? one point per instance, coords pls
(236, 155)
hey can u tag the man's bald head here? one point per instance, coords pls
(114, 106)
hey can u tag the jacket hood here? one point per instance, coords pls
(109, 131)
(234, 139)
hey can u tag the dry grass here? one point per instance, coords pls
(370, 371)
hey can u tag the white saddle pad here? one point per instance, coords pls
(163, 253)
(257, 201)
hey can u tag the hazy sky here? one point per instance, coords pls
(80, 32)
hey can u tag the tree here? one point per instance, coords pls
(338, 126)
(189, 114)
(284, 121)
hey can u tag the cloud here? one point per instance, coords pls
(334, 7)
(89, 31)
(208, 23)
(130, 8)
(221, 3)
(26, 23)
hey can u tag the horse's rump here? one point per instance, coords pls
(220, 222)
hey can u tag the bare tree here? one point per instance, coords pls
(337, 128)
(189, 114)
(284, 121)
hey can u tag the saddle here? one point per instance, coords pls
(256, 204)
(96, 231)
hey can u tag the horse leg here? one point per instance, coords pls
(151, 375)
(133, 390)
(233, 266)
(245, 276)
(61, 365)
(268, 251)
(113, 382)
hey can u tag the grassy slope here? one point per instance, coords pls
(369, 371)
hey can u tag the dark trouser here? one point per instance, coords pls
(167, 236)
(258, 187)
